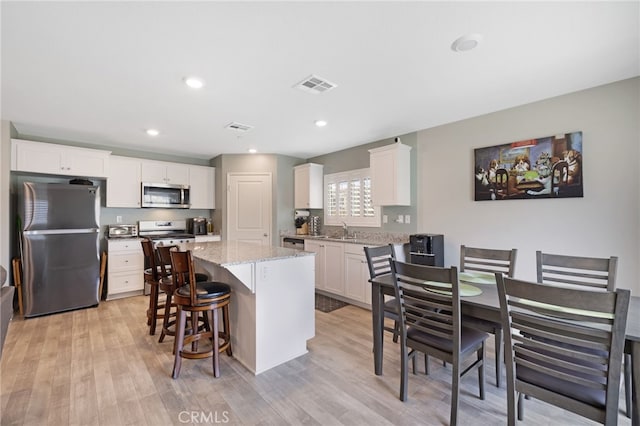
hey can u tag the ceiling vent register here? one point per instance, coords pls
(315, 84)
(238, 127)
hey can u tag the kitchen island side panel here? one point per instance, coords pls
(271, 324)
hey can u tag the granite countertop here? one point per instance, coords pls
(225, 253)
(365, 239)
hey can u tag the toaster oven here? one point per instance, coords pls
(123, 231)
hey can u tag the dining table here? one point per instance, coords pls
(486, 306)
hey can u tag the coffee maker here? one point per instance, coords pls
(198, 226)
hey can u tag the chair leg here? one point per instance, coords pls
(395, 331)
(499, 352)
(226, 327)
(166, 317)
(181, 318)
(153, 309)
(627, 383)
(404, 373)
(520, 407)
(455, 393)
(216, 341)
(481, 371)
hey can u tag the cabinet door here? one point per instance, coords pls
(177, 174)
(391, 175)
(37, 157)
(318, 249)
(301, 188)
(85, 162)
(355, 281)
(334, 267)
(123, 184)
(202, 183)
(155, 172)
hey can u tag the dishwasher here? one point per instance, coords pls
(294, 243)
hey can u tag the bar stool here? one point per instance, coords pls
(168, 286)
(199, 297)
(152, 278)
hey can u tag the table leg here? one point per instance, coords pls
(635, 379)
(377, 311)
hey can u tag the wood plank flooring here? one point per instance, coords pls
(99, 366)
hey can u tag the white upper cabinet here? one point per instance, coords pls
(54, 159)
(164, 172)
(202, 187)
(308, 186)
(123, 184)
(391, 175)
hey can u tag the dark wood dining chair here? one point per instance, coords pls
(489, 261)
(589, 273)
(430, 323)
(565, 347)
(378, 262)
(152, 278)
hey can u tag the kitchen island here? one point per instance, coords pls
(272, 301)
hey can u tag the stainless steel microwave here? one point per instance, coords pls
(165, 195)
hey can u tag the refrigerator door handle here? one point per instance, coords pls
(61, 231)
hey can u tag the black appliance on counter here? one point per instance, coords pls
(427, 249)
(197, 225)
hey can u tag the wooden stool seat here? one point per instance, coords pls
(208, 298)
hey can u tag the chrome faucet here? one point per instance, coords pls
(345, 230)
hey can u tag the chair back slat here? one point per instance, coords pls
(378, 259)
(488, 260)
(562, 341)
(164, 257)
(429, 300)
(576, 271)
(183, 272)
(150, 259)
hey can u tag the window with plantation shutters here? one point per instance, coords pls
(348, 199)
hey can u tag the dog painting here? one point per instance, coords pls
(548, 167)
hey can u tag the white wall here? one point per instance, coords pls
(603, 223)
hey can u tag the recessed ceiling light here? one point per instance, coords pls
(321, 123)
(193, 82)
(466, 42)
(152, 132)
(252, 150)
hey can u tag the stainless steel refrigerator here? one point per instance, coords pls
(60, 247)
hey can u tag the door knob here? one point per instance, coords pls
(265, 235)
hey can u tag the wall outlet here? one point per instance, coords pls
(400, 219)
(407, 218)
(385, 218)
(118, 219)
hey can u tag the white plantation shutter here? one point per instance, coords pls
(348, 199)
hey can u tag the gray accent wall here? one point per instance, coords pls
(605, 222)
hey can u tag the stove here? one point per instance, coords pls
(165, 232)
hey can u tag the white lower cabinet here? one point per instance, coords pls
(125, 268)
(329, 264)
(356, 274)
(341, 270)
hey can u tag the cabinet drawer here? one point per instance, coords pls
(125, 245)
(354, 248)
(120, 283)
(123, 262)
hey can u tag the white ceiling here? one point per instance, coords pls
(103, 72)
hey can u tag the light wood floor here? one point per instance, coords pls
(99, 366)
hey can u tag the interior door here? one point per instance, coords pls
(249, 207)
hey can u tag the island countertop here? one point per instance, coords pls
(226, 253)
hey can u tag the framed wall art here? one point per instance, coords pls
(549, 167)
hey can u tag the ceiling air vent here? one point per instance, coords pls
(315, 84)
(238, 127)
